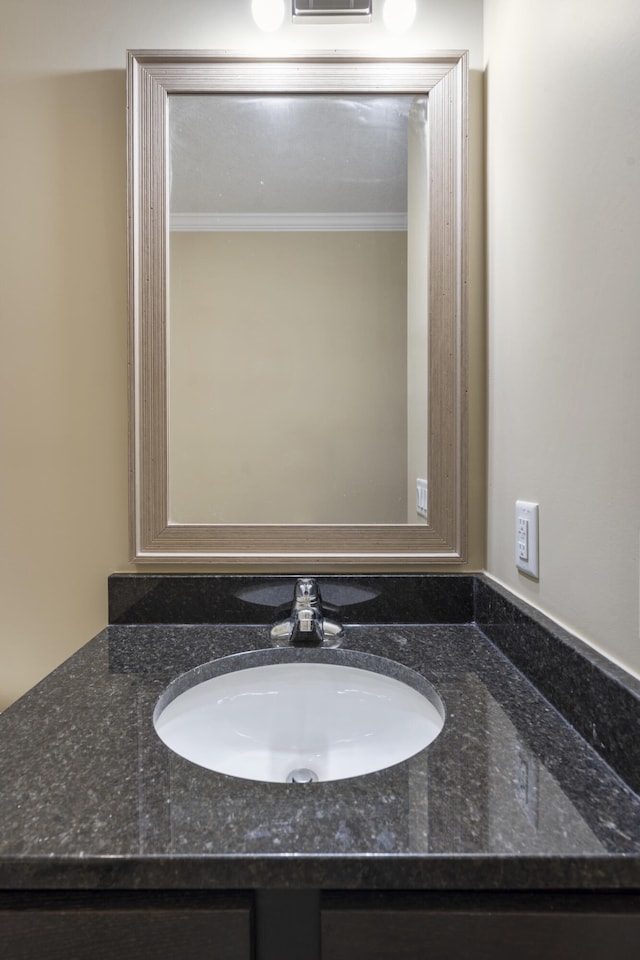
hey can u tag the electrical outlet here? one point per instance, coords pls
(527, 538)
(421, 498)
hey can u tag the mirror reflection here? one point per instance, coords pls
(298, 341)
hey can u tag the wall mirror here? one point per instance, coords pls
(297, 290)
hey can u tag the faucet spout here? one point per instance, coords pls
(306, 627)
(306, 623)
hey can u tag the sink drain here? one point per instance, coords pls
(303, 775)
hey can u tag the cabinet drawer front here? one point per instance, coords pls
(91, 931)
(449, 935)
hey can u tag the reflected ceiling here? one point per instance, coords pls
(355, 157)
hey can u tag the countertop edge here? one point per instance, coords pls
(346, 872)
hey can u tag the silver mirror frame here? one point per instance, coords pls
(152, 76)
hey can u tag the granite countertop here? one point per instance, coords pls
(509, 796)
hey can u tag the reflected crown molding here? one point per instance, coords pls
(287, 222)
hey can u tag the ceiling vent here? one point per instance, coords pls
(332, 11)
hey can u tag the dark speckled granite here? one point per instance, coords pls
(510, 796)
(225, 598)
(599, 699)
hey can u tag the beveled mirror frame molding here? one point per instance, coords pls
(151, 77)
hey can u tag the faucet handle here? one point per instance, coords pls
(307, 589)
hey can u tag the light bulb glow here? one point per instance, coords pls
(398, 15)
(268, 14)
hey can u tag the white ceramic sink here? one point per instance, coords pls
(267, 721)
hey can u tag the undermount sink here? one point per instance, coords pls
(291, 715)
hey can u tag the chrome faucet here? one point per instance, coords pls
(307, 624)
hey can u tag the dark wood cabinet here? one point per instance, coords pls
(483, 927)
(37, 925)
(314, 925)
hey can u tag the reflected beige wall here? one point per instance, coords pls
(288, 377)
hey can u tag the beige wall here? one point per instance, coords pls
(63, 300)
(563, 162)
(288, 390)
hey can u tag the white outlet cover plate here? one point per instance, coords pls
(527, 538)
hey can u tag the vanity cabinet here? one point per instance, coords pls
(339, 925)
(510, 837)
(94, 925)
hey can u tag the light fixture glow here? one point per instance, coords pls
(398, 15)
(268, 14)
